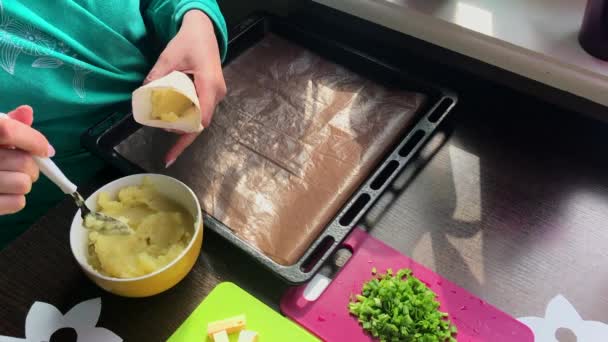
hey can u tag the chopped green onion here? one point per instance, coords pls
(401, 308)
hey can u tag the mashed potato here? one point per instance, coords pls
(162, 230)
(169, 105)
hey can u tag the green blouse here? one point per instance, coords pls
(71, 60)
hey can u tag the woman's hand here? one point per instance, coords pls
(194, 50)
(17, 168)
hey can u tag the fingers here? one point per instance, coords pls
(18, 161)
(23, 114)
(14, 183)
(164, 65)
(10, 204)
(182, 143)
(17, 134)
(210, 92)
(17, 167)
(193, 50)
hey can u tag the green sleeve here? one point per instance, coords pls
(166, 16)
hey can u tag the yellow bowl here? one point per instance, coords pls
(162, 279)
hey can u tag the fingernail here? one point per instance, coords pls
(151, 75)
(169, 163)
(51, 151)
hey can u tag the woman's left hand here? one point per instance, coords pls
(194, 50)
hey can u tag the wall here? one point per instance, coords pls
(236, 10)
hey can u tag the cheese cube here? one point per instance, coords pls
(221, 336)
(230, 325)
(248, 336)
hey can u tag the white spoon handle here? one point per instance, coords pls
(51, 171)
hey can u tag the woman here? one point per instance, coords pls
(65, 61)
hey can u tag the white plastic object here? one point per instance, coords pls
(51, 171)
(316, 287)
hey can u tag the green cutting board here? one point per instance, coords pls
(228, 300)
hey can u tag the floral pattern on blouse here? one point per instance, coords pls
(17, 38)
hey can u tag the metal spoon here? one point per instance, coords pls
(103, 224)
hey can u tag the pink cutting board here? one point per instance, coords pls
(328, 317)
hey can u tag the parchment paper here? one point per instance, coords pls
(294, 138)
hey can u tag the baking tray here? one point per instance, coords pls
(102, 138)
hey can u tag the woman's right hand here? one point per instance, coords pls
(18, 141)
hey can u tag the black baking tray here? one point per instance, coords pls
(106, 135)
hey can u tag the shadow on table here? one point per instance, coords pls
(488, 209)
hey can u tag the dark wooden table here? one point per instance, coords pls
(511, 205)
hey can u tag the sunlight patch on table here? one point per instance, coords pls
(471, 250)
(467, 187)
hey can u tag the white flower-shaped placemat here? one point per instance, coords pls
(43, 320)
(561, 314)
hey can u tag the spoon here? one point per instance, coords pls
(104, 224)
